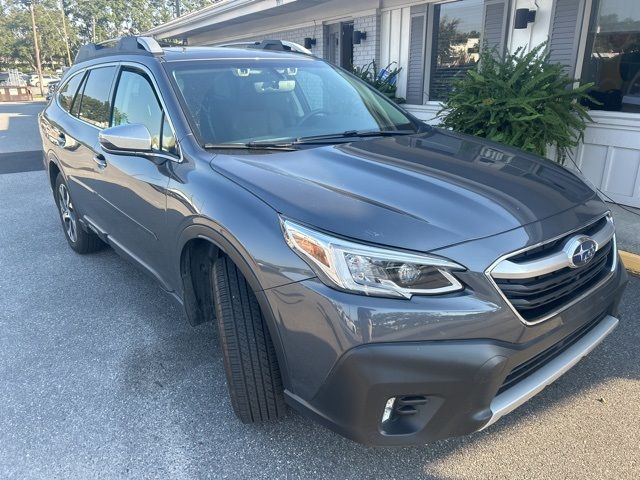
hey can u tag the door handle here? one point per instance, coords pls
(100, 160)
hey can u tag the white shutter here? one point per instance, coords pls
(496, 16)
(415, 67)
(564, 37)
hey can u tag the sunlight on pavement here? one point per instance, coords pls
(568, 429)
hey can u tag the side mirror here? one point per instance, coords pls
(130, 138)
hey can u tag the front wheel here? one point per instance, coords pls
(251, 366)
(79, 240)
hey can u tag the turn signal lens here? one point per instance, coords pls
(311, 248)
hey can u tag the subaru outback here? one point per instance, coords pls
(398, 283)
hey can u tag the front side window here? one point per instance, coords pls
(456, 44)
(94, 105)
(68, 92)
(239, 101)
(612, 56)
(136, 102)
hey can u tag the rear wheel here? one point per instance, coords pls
(251, 366)
(79, 240)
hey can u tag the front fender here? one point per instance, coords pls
(203, 204)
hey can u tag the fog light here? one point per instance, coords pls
(388, 409)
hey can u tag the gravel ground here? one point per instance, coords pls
(102, 377)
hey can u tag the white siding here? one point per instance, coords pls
(610, 155)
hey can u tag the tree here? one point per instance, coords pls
(87, 21)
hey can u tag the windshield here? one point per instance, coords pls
(234, 101)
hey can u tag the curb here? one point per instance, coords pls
(631, 261)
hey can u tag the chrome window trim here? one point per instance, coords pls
(140, 66)
(614, 265)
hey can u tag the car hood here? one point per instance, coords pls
(419, 192)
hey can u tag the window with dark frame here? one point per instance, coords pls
(455, 48)
(445, 40)
(612, 56)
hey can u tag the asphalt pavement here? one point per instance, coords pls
(101, 376)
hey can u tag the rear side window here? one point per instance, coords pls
(68, 92)
(136, 102)
(94, 107)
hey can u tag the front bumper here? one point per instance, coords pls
(450, 387)
(453, 387)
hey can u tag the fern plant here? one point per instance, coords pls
(519, 99)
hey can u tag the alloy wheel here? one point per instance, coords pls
(67, 213)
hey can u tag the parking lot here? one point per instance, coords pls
(102, 377)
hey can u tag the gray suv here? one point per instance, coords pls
(396, 282)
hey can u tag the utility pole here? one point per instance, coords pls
(64, 32)
(93, 29)
(35, 44)
(178, 12)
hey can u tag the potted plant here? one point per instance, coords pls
(519, 99)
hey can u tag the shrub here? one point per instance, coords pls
(519, 99)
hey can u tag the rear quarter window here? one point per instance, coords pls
(68, 92)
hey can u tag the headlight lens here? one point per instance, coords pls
(371, 270)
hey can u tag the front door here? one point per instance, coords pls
(133, 187)
(346, 47)
(339, 44)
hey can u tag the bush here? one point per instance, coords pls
(384, 81)
(519, 99)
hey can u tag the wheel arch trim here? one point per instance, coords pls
(211, 232)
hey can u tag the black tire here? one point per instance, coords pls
(251, 366)
(80, 240)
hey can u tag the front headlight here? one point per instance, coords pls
(371, 270)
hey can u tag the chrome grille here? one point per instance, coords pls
(539, 282)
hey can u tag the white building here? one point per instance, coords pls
(434, 41)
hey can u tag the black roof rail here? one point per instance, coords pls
(118, 46)
(275, 45)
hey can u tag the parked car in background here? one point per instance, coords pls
(34, 80)
(398, 283)
(51, 89)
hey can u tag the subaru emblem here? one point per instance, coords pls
(580, 250)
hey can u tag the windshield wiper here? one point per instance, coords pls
(286, 146)
(354, 134)
(289, 144)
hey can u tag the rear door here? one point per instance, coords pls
(133, 187)
(77, 123)
(91, 110)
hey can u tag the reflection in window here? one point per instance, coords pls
(456, 44)
(612, 55)
(68, 92)
(95, 99)
(136, 102)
